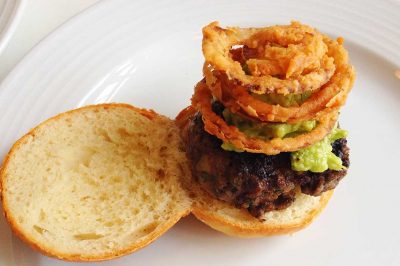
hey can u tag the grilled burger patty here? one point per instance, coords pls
(257, 182)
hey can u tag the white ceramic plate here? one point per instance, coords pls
(148, 54)
(10, 11)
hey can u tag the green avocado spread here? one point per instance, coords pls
(230, 147)
(267, 131)
(315, 158)
(319, 156)
(283, 100)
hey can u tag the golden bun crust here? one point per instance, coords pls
(238, 223)
(55, 249)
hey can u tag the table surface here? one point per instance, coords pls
(38, 19)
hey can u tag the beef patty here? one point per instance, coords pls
(257, 182)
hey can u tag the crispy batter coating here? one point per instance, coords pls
(286, 59)
(217, 126)
(237, 97)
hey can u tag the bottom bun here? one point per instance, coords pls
(238, 222)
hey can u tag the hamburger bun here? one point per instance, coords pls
(105, 180)
(95, 183)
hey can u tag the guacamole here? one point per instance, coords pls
(283, 100)
(319, 156)
(230, 147)
(267, 131)
(315, 158)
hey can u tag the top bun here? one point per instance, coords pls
(95, 183)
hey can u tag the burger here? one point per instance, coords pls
(263, 127)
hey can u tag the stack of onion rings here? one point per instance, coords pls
(290, 59)
(216, 125)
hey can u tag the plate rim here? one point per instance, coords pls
(14, 18)
(15, 72)
(392, 58)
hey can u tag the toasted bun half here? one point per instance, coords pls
(238, 222)
(95, 183)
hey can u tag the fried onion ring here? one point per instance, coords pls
(217, 126)
(296, 53)
(328, 98)
(181, 120)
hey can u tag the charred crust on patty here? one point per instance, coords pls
(256, 182)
